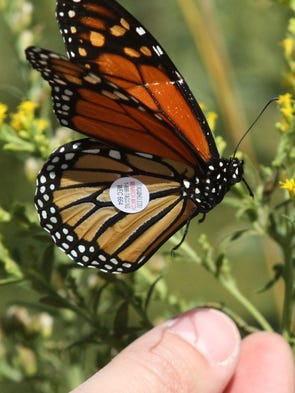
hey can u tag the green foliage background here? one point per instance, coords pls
(59, 323)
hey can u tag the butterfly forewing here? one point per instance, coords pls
(74, 205)
(109, 41)
(94, 106)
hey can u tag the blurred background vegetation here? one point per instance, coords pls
(57, 327)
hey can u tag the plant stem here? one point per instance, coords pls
(235, 292)
(134, 303)
(288, 293)
(201, 20)
(228, 283)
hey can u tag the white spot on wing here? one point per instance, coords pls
(158, 50)
(140, 30)
(115, 154)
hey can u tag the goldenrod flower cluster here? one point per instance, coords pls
(25, 115)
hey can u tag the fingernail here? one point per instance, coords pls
(211, 332)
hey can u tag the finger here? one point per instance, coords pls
(266, 365)
(196, 352)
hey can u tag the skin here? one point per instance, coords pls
(198, 352)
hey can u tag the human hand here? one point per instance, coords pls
(198, 352)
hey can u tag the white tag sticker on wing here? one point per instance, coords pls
(129, 195)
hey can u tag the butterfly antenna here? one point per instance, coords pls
(253, 124)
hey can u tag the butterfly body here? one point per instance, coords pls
(150, 163)
(208, 190)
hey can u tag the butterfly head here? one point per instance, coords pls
(209, 190)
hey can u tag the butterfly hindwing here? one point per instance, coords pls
(74, 205)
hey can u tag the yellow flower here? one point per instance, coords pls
(17, 121)
(286, 104)
(23, 116)
(28, 107)
(41, 124)
(211, 118)
(285, 99)
(287, 111)
(3, 110)
(202, 106)
(289, 184)
(288, 45)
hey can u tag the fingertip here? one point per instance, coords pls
(266, 364)
(197, 351)
(212, 333)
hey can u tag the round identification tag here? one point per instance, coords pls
(129, 195)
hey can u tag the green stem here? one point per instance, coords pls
(228, 284)
(235, 292)
(134, 303)
(67, 303)
(288, 292)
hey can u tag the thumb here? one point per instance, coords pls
(195, 352)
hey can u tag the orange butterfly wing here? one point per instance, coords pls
(94, 106)
(109, 42)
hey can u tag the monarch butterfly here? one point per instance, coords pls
(150, 164)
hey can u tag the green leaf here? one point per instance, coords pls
(278, 270)
(121, 319)
(10, 266)
(47, 262)
(54, 301)
(150, 293)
